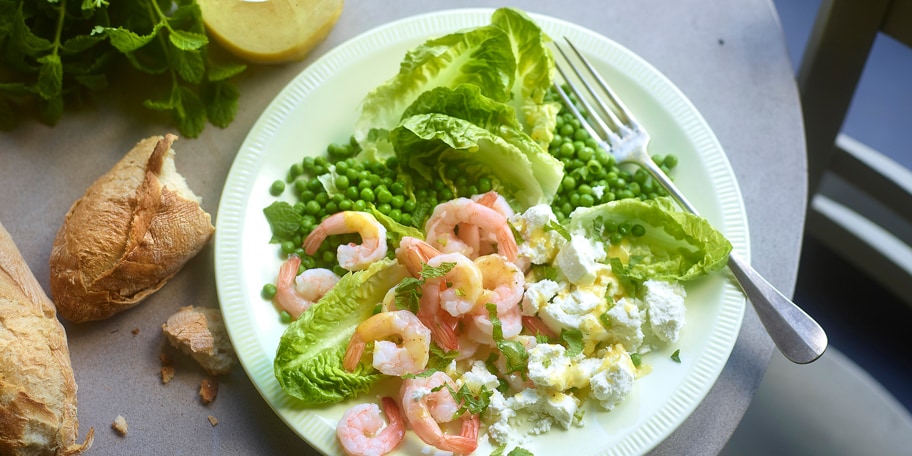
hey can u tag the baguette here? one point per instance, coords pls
(134, 228)
(37, 385)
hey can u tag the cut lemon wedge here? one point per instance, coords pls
(270, 31)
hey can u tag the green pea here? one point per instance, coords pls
(397, 188)
(359, 205)
(331, 207)
(341, 182)
(409, 206)
(312, 207)
(384, 208)
(406, 219)
(638, 230)
(269, 291)
(384, 195)
(345, 205)
(296, 170)
(586, 200)
(569, 183)
(615, 238)
(308, 262)
(322, 198)
(397, 201)
(584, 189)
(670, 161)
(352, 193)
(567, 149)
(287, 247)
(328, 257)
(368, 195)
(566, 129)
(277, 188)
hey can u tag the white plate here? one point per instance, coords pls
(320, 106)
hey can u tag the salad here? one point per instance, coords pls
(473, 248)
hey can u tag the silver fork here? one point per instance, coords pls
(795, 333)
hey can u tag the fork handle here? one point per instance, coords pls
(795, 333)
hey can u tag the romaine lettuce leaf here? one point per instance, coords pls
(308, 362)
(429, 143)
(480, 56)
(534, 74)
(677, 245)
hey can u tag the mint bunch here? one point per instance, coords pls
(55, 52)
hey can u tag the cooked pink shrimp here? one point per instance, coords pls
(362, 432)
(296, 294)
(503, 283)
(426, 403)
(353, 257)
(390, 358)
(483, 243)
(413, 253)
(441, 226)
(462, 285)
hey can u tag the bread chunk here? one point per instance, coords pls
(37, 386)
(132, 230)
(200, 333)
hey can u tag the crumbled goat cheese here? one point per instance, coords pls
(540, 244)
(613, 381)
(538, 294)
(665, 309)
(626, 324)
(579, 259)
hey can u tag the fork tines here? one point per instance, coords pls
(582, 107)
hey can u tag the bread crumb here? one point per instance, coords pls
(120, 425)
(135, 331)
(200, 333)
(165, 360)
(208, 389)
(167, 373)
(213, 420)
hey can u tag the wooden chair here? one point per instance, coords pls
(861, 200)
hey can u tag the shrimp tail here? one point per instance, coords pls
(536, 326)
(464, 443)
(395, 424)
(443, 335)
(353, 352)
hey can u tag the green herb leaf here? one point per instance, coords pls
(283, 220)
(221, 99)
(189, 65)
(636, 359)
(574, 340)
(469, 401)
(431, 272)
(554, 226)
(408, 294)
(187, 41)
(676, 356)
(50, 77)
(127, 41)
(192, 119)
(223, 71)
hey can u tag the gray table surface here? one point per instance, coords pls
(728, 58)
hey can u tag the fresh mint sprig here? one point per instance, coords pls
(56, 51)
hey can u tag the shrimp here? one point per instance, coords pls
(390, 358)
(296, 294)
(353, 257)
(504, 284)
(461, 287)
(441, 225)
(427, 402)
(472, 236)
(414, 253)
(358, 429)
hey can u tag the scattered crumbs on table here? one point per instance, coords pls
(120, 425)
(721, 42)
(213, 420)
(165, 360)
(135, 331)
(208, 389)
(167, 373)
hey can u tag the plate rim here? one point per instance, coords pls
(230, 210)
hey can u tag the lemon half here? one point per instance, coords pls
(270, 31)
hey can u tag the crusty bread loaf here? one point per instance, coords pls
(200, 333)
(134, 228)
(37, 386)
